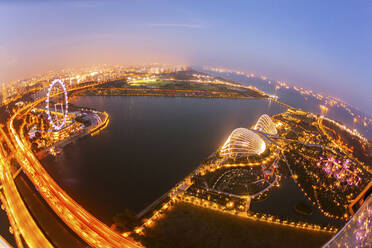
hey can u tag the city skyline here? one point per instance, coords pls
(185, 123)
(304, 44)
(152, 125)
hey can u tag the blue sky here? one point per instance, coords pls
(322, 45)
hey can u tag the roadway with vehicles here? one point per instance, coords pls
(23, 224)
(83, 224)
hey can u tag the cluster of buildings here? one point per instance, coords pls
(73, 77)
(327, 100)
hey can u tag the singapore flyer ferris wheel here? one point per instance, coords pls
(54, 120)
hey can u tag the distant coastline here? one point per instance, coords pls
(165, 92)
(184, 87)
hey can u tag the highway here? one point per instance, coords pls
(86, 226)
(24, 223)
(13, 225)
(4, 244)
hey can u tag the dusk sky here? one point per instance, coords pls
(321, 45)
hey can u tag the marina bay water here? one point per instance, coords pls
(150, 144)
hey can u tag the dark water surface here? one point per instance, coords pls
(281, 202)
(150, 144)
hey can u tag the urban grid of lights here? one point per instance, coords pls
(241, 142)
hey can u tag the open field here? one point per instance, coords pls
(188, 226)
(171, 88)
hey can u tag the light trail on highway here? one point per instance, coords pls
(31, 233)
(86, 226)
(4, 243)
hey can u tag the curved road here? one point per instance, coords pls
(85, 225)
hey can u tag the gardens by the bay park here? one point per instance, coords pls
(328, 177)
(330, 180)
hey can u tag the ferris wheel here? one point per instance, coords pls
(54, 122)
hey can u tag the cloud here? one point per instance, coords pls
(175, 25)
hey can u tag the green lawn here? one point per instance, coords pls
(189, 226)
